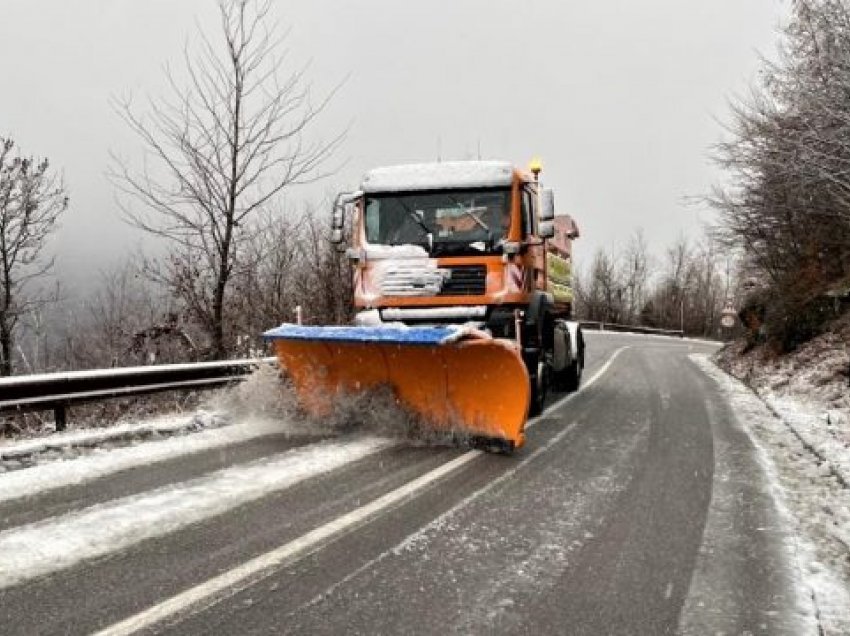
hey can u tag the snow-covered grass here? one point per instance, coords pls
(815, 375)
(807, 488)
(56, 543)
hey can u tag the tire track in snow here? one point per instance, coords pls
(40, 548)
(60, 474)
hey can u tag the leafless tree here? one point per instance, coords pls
(228, 142)
(329, 272)
(788, 205)
(290, 261)
(635, 274)
(32, 196)
(687, 293)
(600, 291)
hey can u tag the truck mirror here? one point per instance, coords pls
(547, 210)
(354, 255)
(336, 236)
(547, 229)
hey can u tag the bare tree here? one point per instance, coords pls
(687, 293)
(599, 293)
(635, 274)
(225, 145)
(788, 205)
(326, 286)
(290, 261)
(32, 197)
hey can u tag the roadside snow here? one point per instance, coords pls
(817, 503)
(57, 543)
(58, 474)
(93, 437)
(826, 432)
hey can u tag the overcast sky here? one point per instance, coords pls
(621, 99)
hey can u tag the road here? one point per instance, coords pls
(637, 506)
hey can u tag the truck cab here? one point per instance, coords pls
(453, 241)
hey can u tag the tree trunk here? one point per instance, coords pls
(5, 350)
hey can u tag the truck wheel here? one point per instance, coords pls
(572, 377)
(539, 381)
(572, 374)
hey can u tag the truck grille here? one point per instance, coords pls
(465, 280)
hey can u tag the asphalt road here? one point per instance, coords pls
(636, 507)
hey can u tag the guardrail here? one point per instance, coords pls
(58, 391)
(593, 325)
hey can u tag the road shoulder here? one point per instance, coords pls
(761, 464)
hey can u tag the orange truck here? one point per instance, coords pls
(462, 284)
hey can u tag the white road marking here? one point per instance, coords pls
(230, 582)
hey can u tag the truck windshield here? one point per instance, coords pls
(443, 222)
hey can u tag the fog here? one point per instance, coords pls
(622, 100)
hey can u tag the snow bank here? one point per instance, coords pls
(40, 548)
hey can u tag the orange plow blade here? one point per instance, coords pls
(453, 379)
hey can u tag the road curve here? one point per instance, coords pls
(637, 507)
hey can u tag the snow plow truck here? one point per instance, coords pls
(463, 297)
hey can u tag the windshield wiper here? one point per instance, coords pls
(469, 212)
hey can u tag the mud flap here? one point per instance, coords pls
(451, 377)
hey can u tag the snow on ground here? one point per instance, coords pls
(261, 392)
(62, 442)
(101, 462)
(816, 500)
(53, 544)
(263, 396)
(808, 388)
(260, 407)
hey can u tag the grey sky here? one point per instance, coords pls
(619, 98)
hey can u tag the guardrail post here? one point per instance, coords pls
(60, 416)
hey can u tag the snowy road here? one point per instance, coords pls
(638, 506)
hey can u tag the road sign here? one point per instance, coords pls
(728, 316)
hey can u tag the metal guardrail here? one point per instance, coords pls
(58, 391)
(593, 325)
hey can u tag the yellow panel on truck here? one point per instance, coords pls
(559, 272)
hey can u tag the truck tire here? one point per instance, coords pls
(561, 354)
(572, 377)
(539, 381)
(572, 374)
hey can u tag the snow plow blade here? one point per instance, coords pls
(453, 378)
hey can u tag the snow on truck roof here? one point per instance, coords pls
(438, 176)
